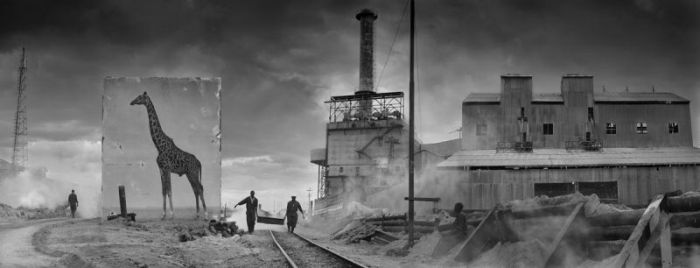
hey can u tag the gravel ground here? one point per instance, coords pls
(307, 255)
(155, 243)
(16, 249)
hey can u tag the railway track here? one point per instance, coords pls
(302, 252)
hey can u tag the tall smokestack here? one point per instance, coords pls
(366, 18)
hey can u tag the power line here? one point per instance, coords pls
(391, 48)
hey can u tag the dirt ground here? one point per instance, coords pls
(16, 248)
(155, 243)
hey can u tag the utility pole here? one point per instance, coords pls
(411, 130)
(19, 145)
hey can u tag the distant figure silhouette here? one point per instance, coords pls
(72, 202)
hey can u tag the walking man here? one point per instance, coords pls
(251, 210)
(292, 207)
(73, 202)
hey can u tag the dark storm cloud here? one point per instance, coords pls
(279, 60)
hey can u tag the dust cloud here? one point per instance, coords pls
(431, 182)
(32, 188)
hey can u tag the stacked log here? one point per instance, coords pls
(610, 231)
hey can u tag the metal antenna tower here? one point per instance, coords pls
(20, 155)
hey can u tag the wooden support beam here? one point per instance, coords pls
(386, 218)
(659, 225)
(491, 230)
(424, 199)
(549, 257)
(122, 200)
(654, 219)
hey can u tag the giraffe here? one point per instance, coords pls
(172, 159)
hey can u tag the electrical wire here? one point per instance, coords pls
(391, 48)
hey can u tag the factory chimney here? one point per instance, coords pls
(366, 18)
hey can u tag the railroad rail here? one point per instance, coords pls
(317, 254)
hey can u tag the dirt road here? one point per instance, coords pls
(16, 248)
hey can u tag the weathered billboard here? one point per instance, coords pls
(161, 141)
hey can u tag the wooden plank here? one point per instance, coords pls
(683, 204)
(630, 252)
(481, 239)
(424, 199)
(565, 229)
(658, 225)
(617, 218)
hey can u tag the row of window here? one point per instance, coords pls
(610, 128)
(641, 128)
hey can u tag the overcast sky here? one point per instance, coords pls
(279, 60)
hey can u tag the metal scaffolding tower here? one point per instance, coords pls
(20, 155)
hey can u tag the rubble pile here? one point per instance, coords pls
(225, 228)
(592, 205)
(9, 213)
(191, 233)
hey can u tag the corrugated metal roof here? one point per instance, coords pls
(547, 97)
(602, 97)
(660, 97)
(564, 158)
(483, 97)
(445, 148)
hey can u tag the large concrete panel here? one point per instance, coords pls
(188, 110)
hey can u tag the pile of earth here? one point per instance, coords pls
(7, 212)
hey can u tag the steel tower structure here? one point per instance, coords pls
(20, 155)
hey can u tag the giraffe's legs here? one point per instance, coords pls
(193, 178)
(165, 185)
(200, 192)
(201, 196)
(170, 196)
(195, 181)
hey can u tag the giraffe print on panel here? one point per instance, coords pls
(172, 159)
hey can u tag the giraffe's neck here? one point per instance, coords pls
(157, 135)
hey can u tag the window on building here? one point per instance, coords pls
(357, 171)
(554, 189)
(340, 170)
(605, 190)
(673, 127)
(548, 129)
(481, 129)
(641, 127)
(610, 128)
(590, 114)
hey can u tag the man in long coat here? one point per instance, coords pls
(292, 217)
(251, 210)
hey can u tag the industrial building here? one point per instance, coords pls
(623, 146)
(366, 137)
(516, 144)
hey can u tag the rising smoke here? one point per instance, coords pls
(33, 189)
(431, 182)
(56, 167)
